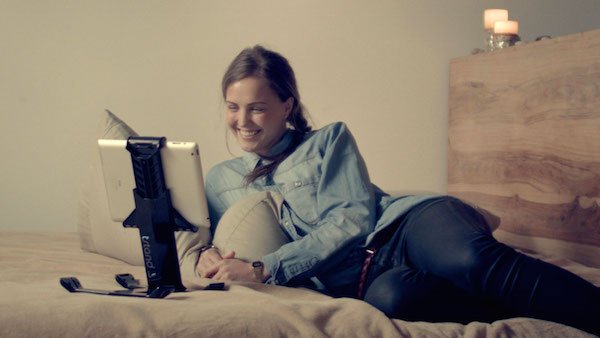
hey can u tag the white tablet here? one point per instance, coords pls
(183, 177)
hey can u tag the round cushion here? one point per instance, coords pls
(251, 227)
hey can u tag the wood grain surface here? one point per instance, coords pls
(524, 136)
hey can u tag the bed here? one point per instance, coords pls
(34, 304)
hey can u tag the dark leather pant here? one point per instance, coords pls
(442, 264)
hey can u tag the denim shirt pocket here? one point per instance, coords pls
(299, 187)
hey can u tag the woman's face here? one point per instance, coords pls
(255, 114)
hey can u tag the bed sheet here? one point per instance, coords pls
(33, 303)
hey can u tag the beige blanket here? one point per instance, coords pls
(33, 304)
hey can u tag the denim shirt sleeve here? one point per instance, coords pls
(344, 203)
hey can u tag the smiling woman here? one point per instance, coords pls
(255, 115)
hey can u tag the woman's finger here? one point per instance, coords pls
(210, 256)
(212, 270)
(229, 255)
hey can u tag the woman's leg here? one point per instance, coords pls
(449, 239)
(408, 294)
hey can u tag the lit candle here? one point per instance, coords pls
(490, 16)
(506, 27)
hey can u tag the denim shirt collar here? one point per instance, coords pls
(252, 159)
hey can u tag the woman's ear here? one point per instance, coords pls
(288, 105)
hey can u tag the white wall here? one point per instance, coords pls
(380, 66)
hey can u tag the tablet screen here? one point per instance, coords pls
(183, 176)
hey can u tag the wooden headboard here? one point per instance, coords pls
(524, 142)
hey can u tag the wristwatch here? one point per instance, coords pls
(258, 268)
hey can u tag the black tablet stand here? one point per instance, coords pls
(157, 222)
(154, 214)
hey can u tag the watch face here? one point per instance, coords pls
(257, 264)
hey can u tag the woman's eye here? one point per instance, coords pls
(232, 108)
(258, 109)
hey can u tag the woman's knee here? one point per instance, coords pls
(405, 293)
(413, 295)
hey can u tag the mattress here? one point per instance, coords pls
(33, 304)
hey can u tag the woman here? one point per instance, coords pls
(414, 257)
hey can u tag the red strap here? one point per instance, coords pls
(364, 271)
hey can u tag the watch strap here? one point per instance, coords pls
(258, 268)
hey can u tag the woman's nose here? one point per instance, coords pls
(244, 117)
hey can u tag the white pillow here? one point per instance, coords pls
(98, 233)
(251, 227)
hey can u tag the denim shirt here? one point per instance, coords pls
(331, 209)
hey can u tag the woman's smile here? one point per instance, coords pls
(248, 134)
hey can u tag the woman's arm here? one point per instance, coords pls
(345, 208)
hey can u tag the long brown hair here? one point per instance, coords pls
(273, 67)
